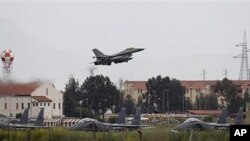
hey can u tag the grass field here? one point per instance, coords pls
(156, 134)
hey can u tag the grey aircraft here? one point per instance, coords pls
(123, 56)
(88, 124)
(194, 123)
(24, 121)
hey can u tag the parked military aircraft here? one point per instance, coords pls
(24, 121)
(88, 124)
(194, 123)
(123, 56)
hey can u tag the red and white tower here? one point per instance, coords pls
(7, 58)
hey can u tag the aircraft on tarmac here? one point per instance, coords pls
(88, 124)
(24, 121)
(123, 56)
(194, 123)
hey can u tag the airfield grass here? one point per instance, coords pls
(155, 134)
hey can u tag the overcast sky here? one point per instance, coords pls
(53, 40)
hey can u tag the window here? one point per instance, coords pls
(48, 104)
(36, 103)
(28, 105)
(17, 106)
(5, 106)
(22, 105)
(59, 105)
(54, 105)
(41, 104)
(44, 104)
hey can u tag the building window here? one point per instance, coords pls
(17, 106)
(28, 105)
(36, 103)
(41, 104)
(59, 105)
(48, 104)
(5, 106)
(44, 104)
(22, 105)
(54, 105)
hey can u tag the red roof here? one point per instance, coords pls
(205, 112)
(18, 89)
(41, 98)
(138, 84)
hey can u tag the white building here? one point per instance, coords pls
(14, 98)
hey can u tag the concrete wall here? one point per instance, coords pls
(56, 107)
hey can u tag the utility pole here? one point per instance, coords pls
(163, 101)
(244, 68)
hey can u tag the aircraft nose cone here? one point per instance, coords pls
(140, 49)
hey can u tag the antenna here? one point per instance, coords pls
(244, 68)
(204, 74)
(225, 73)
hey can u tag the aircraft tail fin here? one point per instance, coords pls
(25, 117)
(40, 118)
(223, 116)
(137, 117)
(239, 117)
(121, 117)
(98, 53)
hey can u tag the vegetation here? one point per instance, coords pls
(97, 93)
(206, 102)
(60, 134)
(227, 89)
(164, 95)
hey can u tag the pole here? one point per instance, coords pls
(148, 102)
(163, 101)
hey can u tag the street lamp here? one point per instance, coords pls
(80, 102)
(148, 101)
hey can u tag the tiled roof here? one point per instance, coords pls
(18, 89)
(137, 84)
(195, 84)
(41, 98)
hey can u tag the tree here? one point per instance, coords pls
(71, 97)
(129, 104)
(166, 94)
(206, 102)
(227, 89)
(99, 93)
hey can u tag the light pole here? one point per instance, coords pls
(163, 101)
(148, 101)
(80, 102)
(167, 100)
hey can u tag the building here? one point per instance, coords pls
(15, 97)
(193, 88)
(135, 89)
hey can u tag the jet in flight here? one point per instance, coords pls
(194, 123)
(88, 124)
(24, 121)
(123, 56)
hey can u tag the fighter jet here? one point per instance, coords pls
(194, 123)
(88, 124)
(123, 56)
(24, 121)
